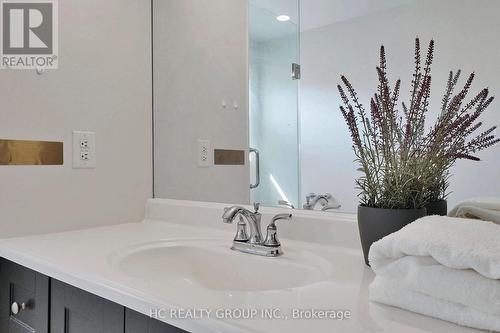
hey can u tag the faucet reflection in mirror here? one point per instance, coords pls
(326, 200)
(254, 243)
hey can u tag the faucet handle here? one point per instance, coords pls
(278, 217)
(272, 237)
(256, 207)
(241, 231)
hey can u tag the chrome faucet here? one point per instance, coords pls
(253, 243)
(312, 200)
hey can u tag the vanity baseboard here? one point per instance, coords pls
(56, 307)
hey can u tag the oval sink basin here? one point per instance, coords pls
(212, 265)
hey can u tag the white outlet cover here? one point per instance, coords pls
(204, 154)
(88, 150)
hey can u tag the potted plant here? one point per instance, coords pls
(404, 169)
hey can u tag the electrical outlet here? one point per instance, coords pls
(204, 153)
(84, 152)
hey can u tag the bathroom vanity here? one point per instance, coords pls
(112, 279)
(36, 300)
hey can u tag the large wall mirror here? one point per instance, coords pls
(258, 79)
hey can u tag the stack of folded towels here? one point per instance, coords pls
(444, 267)
(487, 209)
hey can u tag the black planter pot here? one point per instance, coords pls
(439, 207)
(376, 223)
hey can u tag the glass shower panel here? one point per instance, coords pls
(274, 49)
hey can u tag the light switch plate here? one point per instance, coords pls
(84, 150)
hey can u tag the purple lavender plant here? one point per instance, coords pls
(402, 165)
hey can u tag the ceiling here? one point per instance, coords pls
(264, 25)
(319, 13)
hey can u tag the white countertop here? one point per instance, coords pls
(84, 259)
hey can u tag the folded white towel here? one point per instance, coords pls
(453, 242)
(486, 209)
(442, 267)
(391, 293)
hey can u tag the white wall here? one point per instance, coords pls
(201, 52)
(465, 32)
(103, 84)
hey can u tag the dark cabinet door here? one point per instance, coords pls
(29, 291)
(139, 323)
(76, 311)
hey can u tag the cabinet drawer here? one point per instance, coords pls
(76, 311)
(23, 286)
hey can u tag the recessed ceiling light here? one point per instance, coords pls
(283, 18)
